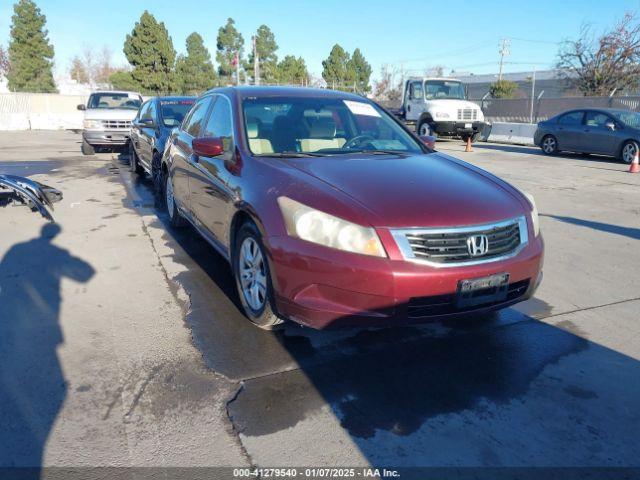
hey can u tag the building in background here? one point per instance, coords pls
(548, 80)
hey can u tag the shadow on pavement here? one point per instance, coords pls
(504, 390)
(32, 384)
(630, 232)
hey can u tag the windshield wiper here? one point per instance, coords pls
(291, 154)
(378, 152)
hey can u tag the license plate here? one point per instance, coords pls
(468, 125)
(479, 291)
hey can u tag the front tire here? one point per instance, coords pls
(134, 164)
(253, 278)
(175, 217)
(549, 145)
(424, 129)
(156, 172)
(628, 151)
(87, 148)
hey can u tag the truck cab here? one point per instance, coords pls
(107, 119)
(439, 107)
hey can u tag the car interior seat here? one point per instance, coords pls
(322, 134)
(256, 144)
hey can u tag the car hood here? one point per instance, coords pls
(449, 103)
(416, 191)
(109, 114)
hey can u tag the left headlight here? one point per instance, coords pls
(318, 227)
(92, 124)
(535, 221)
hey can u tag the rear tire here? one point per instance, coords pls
(175, 217)
(87, 148)
(549, 145)
(156, 172)
(253, 278)
(628, 151)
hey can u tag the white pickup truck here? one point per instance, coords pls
(439, 107)
(107, 119)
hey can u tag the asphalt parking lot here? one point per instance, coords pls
(123, 340)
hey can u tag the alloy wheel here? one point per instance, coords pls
(628, 152)
(169, 197)
(549, 145)
(253, 276)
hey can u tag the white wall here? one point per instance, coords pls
(40, 111)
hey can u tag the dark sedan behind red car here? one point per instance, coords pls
(332, 213)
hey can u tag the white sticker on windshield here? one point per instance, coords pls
(360, 108)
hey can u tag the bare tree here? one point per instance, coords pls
(77, 70)
(598, 66)
(103, 67)
(388, 88)
(4, 61)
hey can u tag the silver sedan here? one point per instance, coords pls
(611, 132)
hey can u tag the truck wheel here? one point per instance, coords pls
(424, 129)
(87, 148)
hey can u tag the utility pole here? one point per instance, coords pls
(236, 60)
(533, 93)
(256, 62)
(504, 52)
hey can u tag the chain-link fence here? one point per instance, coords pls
(522, 110)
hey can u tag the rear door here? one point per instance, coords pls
(182, 152)
(211, 196)
(148, 134)
(598, 137)
(569, 130)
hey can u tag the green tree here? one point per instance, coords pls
(292, 70)
(229, 44)
(30, 53)
(266, 47)
(336, 69)
(503, 89)
(195, 71)
(123, 80)
(77, 71)
(361, 71)
(150, 51)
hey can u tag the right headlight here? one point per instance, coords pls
(535, 221)
(92, 124)
(318, 227)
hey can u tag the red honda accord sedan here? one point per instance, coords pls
(331, 212)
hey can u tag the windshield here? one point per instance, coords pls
(112, 101)
(435, 89)
(173, 111)
(631, 119)
(322, 126)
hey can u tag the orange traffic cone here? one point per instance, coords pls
(635, 167)
(468, 147)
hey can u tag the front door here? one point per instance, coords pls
(415, 103)
(598, 137)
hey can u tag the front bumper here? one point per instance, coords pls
(106, 137)
(321, 287)
(457, 128)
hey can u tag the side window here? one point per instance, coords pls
(193, 123)
(220, 123)
(597, 119)
(417, 91)
(570, 119)
(153, 111)
(144, 109)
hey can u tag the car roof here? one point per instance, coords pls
(176, 97)
(271, 91)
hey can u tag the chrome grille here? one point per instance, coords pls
(448, 246)
(116, 124)
(467, 114)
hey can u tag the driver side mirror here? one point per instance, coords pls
(429, 141)
(207, 146)
(82, 107)
(148, 122)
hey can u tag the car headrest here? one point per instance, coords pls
(252, 129)
(323, 128)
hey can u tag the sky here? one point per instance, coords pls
(459, 35)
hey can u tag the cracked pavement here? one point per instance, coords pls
(137, 354)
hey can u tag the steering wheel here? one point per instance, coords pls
(357, 140)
